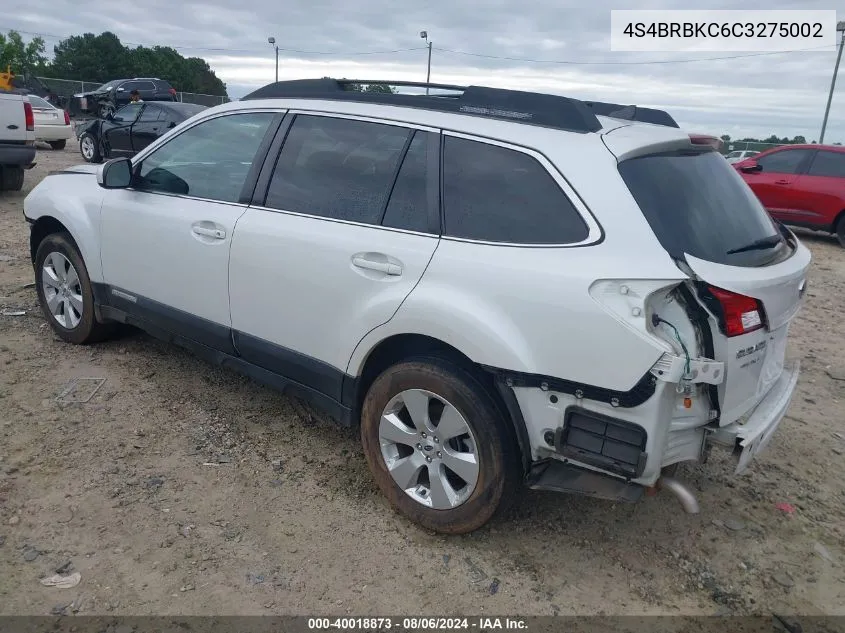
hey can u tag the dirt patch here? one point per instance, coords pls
(180, 488)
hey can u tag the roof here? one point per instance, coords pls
(532, 108)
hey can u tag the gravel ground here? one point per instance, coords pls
(180, 488)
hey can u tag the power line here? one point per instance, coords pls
(244, 50)
(635, 63)
(460, 52)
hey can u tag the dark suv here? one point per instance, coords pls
(114, 94)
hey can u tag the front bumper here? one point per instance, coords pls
(750, 435)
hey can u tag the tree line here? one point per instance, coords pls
(772, 140)
(103, 57)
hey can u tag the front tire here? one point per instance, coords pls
(438, 446)
(840, 231)
(90, 148)
(58, 144)
(65, 293)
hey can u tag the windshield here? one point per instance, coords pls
(108, 86)
(697, 204)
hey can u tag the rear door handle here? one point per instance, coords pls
(383, 267)
(217, 234)
(781, 182)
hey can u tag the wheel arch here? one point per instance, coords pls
(399, 347)
(81, 231)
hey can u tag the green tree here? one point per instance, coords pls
(103, 57)
(380, 88)
(726, 138)
(21, 56)
(90, 57)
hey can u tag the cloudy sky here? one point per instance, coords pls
(476, 41)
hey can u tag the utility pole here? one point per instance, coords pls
(840, 28)
(272, 42)
(424, 35)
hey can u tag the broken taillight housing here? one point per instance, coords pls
(738, 314)
(67, 117)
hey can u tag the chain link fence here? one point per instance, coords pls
(64, 89)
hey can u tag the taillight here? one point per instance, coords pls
(173, 91)
(740, 314)
(29, 116)
(67, 117)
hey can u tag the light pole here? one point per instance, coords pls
(840, 28)
(424, 35)
(272, 42)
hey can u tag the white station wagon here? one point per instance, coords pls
(499, 288)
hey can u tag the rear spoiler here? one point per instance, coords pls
(632, 113)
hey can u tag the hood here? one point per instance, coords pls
(82, 169)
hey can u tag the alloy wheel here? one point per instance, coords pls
(62, 290)
(429, 449)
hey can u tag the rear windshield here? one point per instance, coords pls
(696, 203)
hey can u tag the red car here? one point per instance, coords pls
(801, 185)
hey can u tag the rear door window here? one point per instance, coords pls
(337, 168)
(696, 203)
(788, 161)
(496, 194)
(828, 164)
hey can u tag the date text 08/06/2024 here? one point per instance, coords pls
(416, 624)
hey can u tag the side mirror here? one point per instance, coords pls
(115, 174)
(750, 165)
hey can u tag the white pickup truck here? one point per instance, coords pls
(17, 140)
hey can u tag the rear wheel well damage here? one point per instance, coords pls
(402, 347)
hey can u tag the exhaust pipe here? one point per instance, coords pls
(684, 494)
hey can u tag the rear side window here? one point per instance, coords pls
(828, 164)
(496, 194)
(697, 203)
(788, 161)
(337, 168)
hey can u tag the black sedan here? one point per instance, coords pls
(131, 128)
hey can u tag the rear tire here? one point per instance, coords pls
(58, 144)
(11, 178)
(840, 230)
(412, 457)
(65, 292)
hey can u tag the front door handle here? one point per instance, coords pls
(383, 267)
(217, 234)
(781, 182)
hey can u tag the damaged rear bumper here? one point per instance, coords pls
(750, 435)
